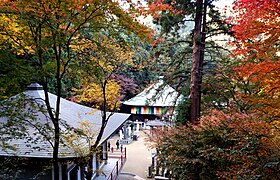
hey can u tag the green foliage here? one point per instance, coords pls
(182, 112)
(173, 50)
(140, 72)
(19, 121)
(67, 85)
(15, 74)
(141, 76)
(172, 59)
(176, 27)
(11, 168)
(223, 88)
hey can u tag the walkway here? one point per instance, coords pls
(113, 165)
(138, 158)
(137, 162)
(107, 169)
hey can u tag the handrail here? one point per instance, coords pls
(119, 164)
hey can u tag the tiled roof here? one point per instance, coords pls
(70, 113)
(156, 123)
(157, 94)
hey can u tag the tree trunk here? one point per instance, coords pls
(203, 40)
(195, 74)
(100, 134)
(58, 51)
(55, 151)
(56, 131)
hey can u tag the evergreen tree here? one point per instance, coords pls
(186, 49)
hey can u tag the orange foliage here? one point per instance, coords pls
(67, 15)
(155, 7)
(256, 142)
(257, 32)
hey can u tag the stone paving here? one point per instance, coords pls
(138, 159)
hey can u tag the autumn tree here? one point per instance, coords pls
(229, 145)
(241, 140)
(102, 57)
(256, 30)
(45, 31)
(128, 86)
(80, 140)
(19, 121)
(105, 56)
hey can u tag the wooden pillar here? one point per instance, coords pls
(125, 152)
(117, 166)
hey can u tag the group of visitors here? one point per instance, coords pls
(117, 144)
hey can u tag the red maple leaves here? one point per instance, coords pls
(257, 38)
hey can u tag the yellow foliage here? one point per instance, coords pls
(93, 93)
(32, 26)
(101, 57)
(103, 53)
(81, 138)
(15, 33)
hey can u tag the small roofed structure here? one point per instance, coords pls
(156, 123)
(156, 101)
(37, 147)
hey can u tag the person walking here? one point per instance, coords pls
(121, 148)
(118, 144)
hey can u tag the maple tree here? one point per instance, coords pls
(229, 145)
(45, 32)
(128, 86)
(256, 29)
(103, 56)
(80, 140)
(241, 140)
(92, 95)
(20, 114)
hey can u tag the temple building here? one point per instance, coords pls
(157, 101)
